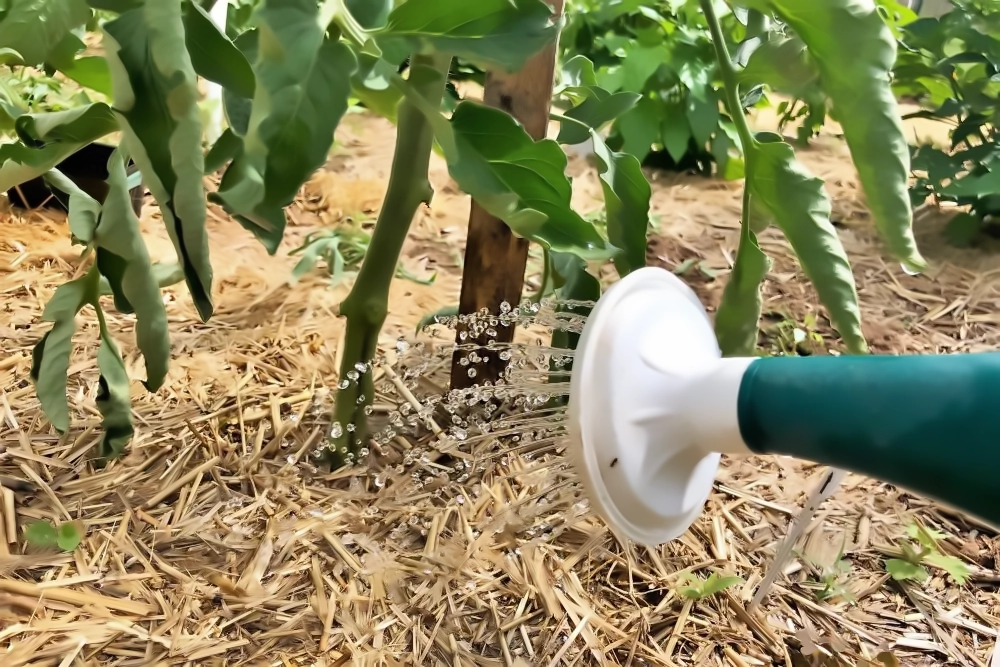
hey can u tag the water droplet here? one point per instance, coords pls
(402, 345)
(472, 372)
(344, 384)
(360, 367)
(352, 375)
(336, 430)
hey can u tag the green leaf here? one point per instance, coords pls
(974, 186)
(675, 130)
(371, 84)
(703, 118)
(226, 147)
(600, 107)
(156, 96)
(963, 229)
(213, 56)
(854, 52)
(626, 200)
(68, 537)
(717, 583)
(782, 64)
(41, 534)
(113, 396)
(303, 84)
(577, 285)
(798, 204)
(91, 72)
(640, 127)
(520, 181)
(117, 6)
(486, 33)
(902, 570)
(123, 259)
(238, 108)
(736, 322)
(958, 570)
(34, 28)
(371, 14)
(50, 357)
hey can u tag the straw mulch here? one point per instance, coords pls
(216, 540)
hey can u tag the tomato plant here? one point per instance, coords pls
(290, 68)
(950, 65)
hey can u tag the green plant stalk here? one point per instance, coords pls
(367, 305)
(731, 87)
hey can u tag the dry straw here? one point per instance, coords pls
(216, 541)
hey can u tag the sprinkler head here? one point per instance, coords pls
(651, 406)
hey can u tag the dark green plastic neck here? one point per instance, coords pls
(928, 424)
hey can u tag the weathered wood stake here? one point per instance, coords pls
(495, 259)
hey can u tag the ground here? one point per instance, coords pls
(216, 541)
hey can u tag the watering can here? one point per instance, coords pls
(653, 406)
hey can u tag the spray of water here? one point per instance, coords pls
(448, 436)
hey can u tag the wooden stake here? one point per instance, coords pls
(495, 259)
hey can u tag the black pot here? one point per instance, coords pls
(88, 168)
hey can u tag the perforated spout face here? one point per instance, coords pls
(638, 438)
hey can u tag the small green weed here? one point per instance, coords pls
(922, 550)
(831, 581)
(695, 588)
(342, 250)
(66, 536)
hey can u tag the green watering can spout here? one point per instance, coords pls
(653, 405)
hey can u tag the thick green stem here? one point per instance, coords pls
(366, 307)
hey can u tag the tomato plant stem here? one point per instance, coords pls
(732, 98)
(367, 305)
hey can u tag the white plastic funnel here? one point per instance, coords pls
(651, 406)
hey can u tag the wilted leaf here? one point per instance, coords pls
(213, 56)
(626, 201)
(487, 33)
(303, 84)
(123, 259)
(114, 398)
(854, 52)
(736, 322)
(84, 210)
(34, 27)
(520, 181)
(798, 204)
(50, 357)
(156, 96)
(49, 138)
